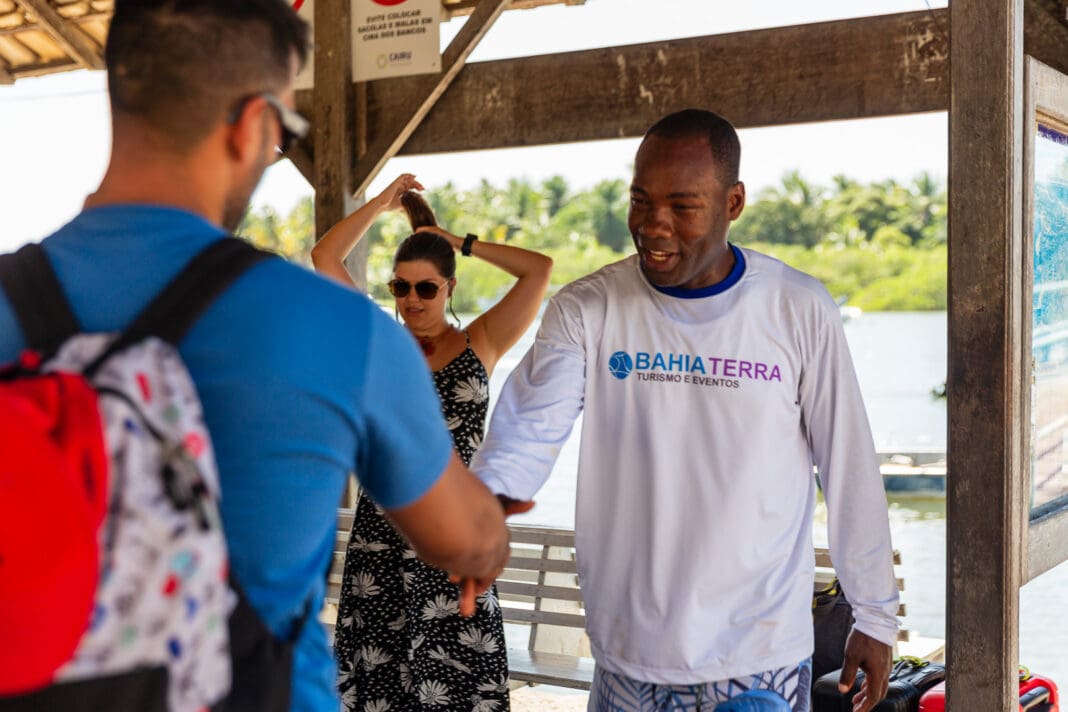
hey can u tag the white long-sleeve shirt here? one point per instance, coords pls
(702, 420)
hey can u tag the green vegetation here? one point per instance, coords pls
(878, 246)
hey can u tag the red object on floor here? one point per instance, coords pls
(1037, 694)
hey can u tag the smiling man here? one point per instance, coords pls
(712, 379)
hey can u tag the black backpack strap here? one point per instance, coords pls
(37, 299)
(170, 315)
(174, 310)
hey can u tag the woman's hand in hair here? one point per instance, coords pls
(390, 198)
(328, 255)
(456, 241)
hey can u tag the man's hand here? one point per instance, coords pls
(469, 590)
(875, 659)
(457, 525)
(469, 587)
(515, 506)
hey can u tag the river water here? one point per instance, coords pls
(899, 358)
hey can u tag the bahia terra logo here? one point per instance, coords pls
(620, 364)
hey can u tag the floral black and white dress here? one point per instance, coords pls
(401, 643)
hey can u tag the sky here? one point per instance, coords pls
(57, 136)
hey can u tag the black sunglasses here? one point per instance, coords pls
(294, 126)
(426, 289)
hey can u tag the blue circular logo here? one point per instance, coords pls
(620, 364)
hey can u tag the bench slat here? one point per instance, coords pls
(823, 557)
(526, 615)
(530, 590)
(825, 576)
(535, 590)
(535, 667)
(529, 563)
(553, 536)
(543, 536)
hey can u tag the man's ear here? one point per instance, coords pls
(735, 200)
(245, 136)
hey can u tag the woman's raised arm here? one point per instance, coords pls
(497, 329)
(328, 255)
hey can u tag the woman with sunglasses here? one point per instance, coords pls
(400, 638)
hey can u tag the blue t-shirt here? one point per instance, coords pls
(302, 381)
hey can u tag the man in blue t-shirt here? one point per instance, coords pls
(302, 381)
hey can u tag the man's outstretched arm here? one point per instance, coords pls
(457, 525)
(537, 408)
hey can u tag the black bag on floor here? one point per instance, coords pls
(909, 679)
(832, 619)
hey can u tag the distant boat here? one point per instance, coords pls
(921, 474)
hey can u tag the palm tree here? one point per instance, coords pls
(608, 202)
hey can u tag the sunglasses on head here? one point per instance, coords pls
(293, 125)
(426, 289)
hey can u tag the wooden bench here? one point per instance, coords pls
(539, 590)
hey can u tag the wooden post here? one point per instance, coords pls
(334, 125)
(334, 130)
(985, 498)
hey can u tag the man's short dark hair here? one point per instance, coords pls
(700, 123)
(183, 65)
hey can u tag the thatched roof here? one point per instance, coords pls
(47, 36)
(41, 37)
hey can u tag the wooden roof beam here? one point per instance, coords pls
(300, 155)
(79, 20)
(1046, 34)
(70, 38)
(466, 7)
(422, 93)
(40, 70)
(875, 66)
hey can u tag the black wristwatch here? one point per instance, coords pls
(468, 241)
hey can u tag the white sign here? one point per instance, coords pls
(394, 38)
(306, 78)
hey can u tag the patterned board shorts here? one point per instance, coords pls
(791, 687)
